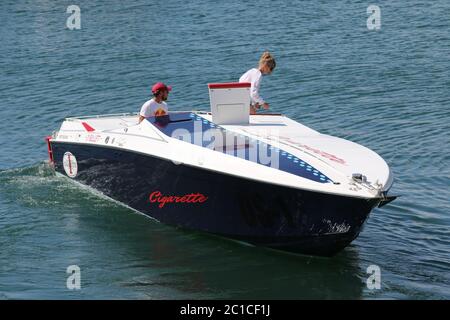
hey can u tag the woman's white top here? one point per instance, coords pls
(254, 77)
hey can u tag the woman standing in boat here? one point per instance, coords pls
(266, 66)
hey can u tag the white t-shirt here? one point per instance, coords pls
(254, 77)
(152, 108)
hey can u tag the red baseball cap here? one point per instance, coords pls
(160, 86)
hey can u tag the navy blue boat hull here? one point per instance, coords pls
(258, 213)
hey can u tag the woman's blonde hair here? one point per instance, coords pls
(268, 59)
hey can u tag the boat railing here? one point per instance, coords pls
(129, 114)
(126, 114)
(98, 116)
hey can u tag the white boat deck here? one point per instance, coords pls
(335, 157)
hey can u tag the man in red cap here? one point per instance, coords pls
(156, 106)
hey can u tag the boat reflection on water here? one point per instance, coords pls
(151, 260)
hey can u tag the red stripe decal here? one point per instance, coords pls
(49, 149)
(87, 127)
(229, 85)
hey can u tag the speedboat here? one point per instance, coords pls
(261, 179)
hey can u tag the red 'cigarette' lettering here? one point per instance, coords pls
(158, 197)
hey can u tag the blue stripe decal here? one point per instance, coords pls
(192, 128)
